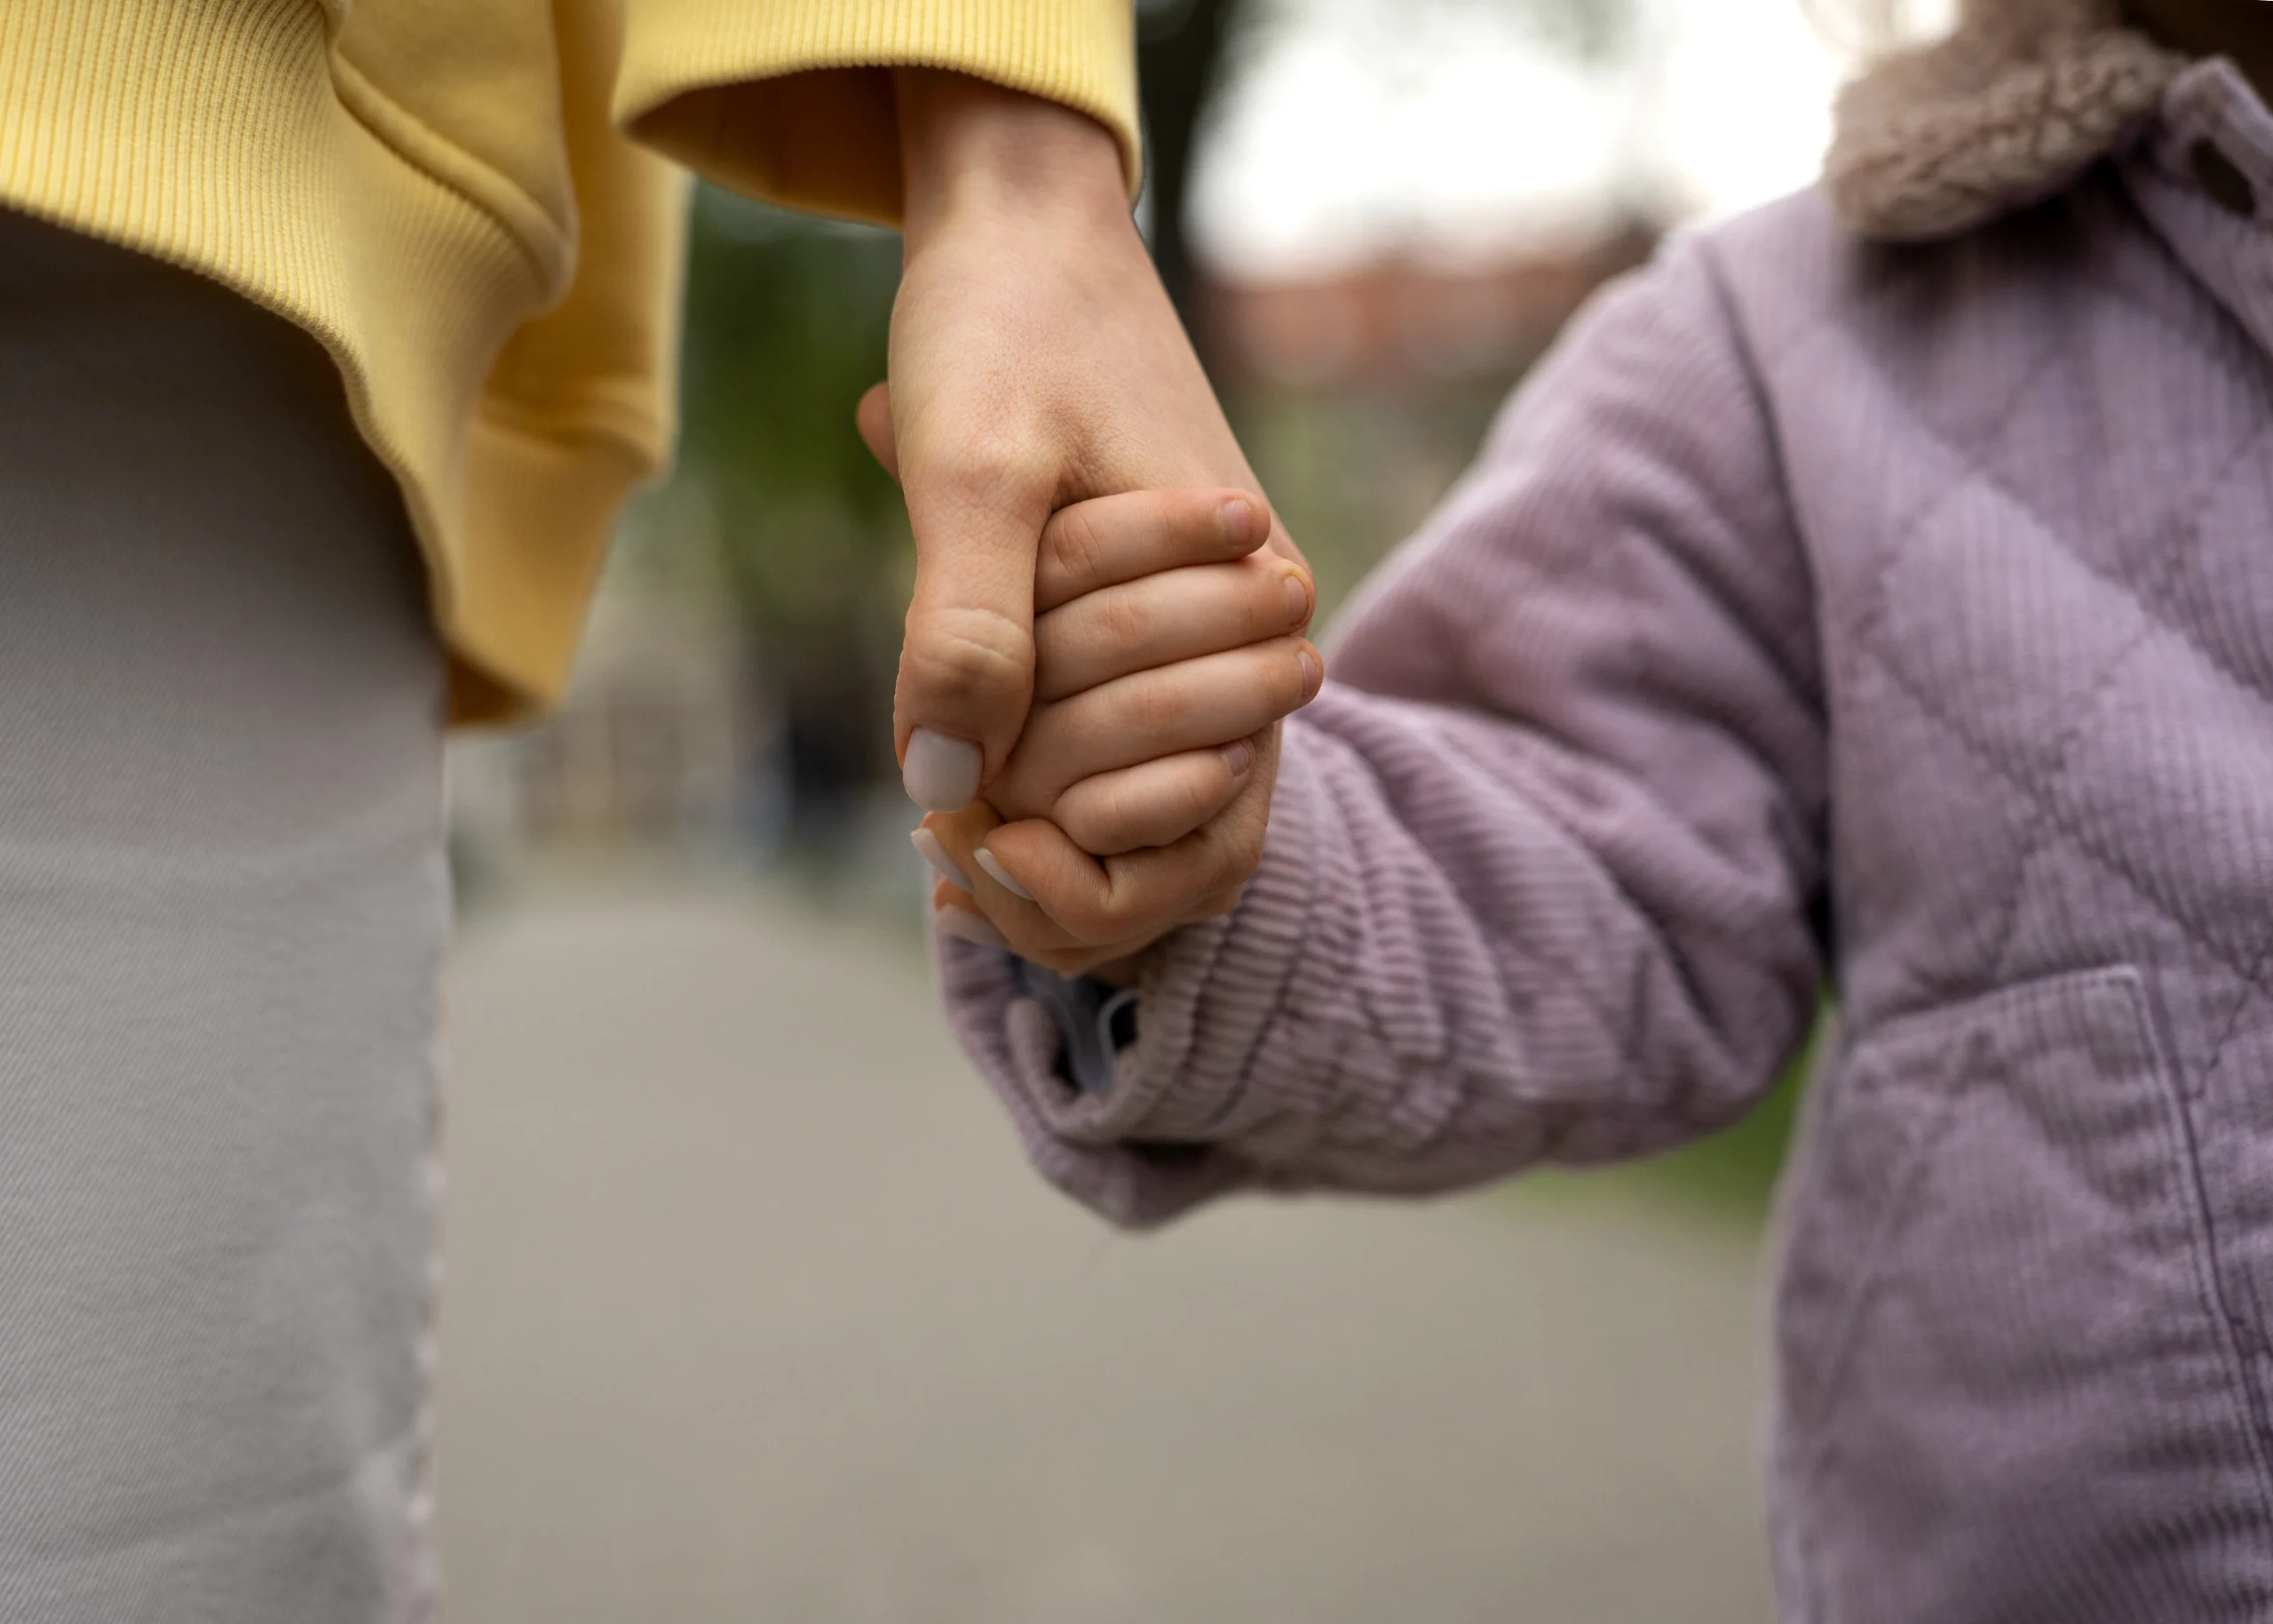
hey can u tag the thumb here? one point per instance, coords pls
(873, 416)
(966, 667)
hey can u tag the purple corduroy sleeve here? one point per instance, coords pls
(1544, 856)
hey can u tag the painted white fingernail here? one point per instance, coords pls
(1238, 757)
(961, 923)
(941, 774)
(1002, 875)
(932, 851)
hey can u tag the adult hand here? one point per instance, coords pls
(1035, 362)
(1137, 799)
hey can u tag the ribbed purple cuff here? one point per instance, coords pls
(1218, 1038)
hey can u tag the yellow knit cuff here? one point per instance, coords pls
(784, 99)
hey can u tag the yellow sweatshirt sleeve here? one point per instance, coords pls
(788, 99)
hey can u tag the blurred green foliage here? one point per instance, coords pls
(786, 321)
(786, 324)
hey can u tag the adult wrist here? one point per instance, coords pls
(972, 148)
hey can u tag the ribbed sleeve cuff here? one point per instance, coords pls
(1220, 1068)
(776, 99)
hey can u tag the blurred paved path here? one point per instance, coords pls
(752, 1313)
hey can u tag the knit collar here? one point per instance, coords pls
(2013, 105)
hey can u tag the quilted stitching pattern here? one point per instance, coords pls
(2052, 699)
(2166, 545)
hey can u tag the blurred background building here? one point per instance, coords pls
(751, 1312)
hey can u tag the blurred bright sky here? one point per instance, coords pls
(1453, 130)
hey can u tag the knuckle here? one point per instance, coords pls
(1011, 794)
(1086, 833)
(1089, 921)
(1075, 547)
(966, 653)
(1083, 822)
(976, 469)
(1130, 911)
(1104, 827)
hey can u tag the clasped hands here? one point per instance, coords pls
(1168, 645)
(1106, 623)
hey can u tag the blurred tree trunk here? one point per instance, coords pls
(1179, 44)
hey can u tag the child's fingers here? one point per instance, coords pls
(1135, 897)
(958, 915)
(989, 911)
(970, 901)
(1023, 931)
(1153, 804)
(1108, 540)
(946, 842)
(1175, 614)
(1018, 902)
(1192, 705)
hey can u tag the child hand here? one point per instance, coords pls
(1168, 647)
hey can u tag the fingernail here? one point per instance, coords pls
(1298, 601)
(1313, 674)
(932, 851)
(941, 774)
(967, 926)
(1238, 757)
(1239, 519)
(1002, 875)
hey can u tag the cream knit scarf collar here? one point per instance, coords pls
(2022, 98)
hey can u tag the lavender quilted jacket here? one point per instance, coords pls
(1896, 616)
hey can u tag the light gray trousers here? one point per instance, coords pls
(223, 904)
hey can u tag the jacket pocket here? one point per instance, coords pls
(2006, 1389)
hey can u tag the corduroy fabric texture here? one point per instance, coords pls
(1899, 612)
(438, 191)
